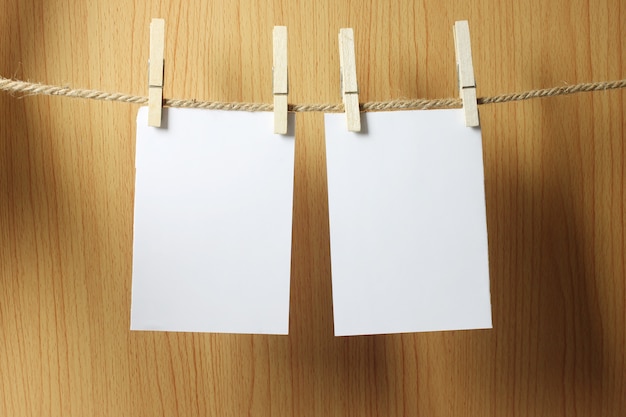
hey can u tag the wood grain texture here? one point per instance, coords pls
(556, 205)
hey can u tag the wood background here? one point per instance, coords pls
(556, 203)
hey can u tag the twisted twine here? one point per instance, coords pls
(33, 89)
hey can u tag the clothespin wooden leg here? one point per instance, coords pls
(279, 79)
(465, 69)
(349, 87)
(155, 72)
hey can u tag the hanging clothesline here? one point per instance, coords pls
(33, 89)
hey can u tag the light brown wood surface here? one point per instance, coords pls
(556, 203)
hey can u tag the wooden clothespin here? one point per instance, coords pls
(279, 79)
(465, 70)
(349, 87)
(155, 72)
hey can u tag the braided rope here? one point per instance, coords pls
(33, 89)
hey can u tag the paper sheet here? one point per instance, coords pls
(407, 223)
(212, 231)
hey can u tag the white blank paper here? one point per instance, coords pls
(212, 231)
(407, 224)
